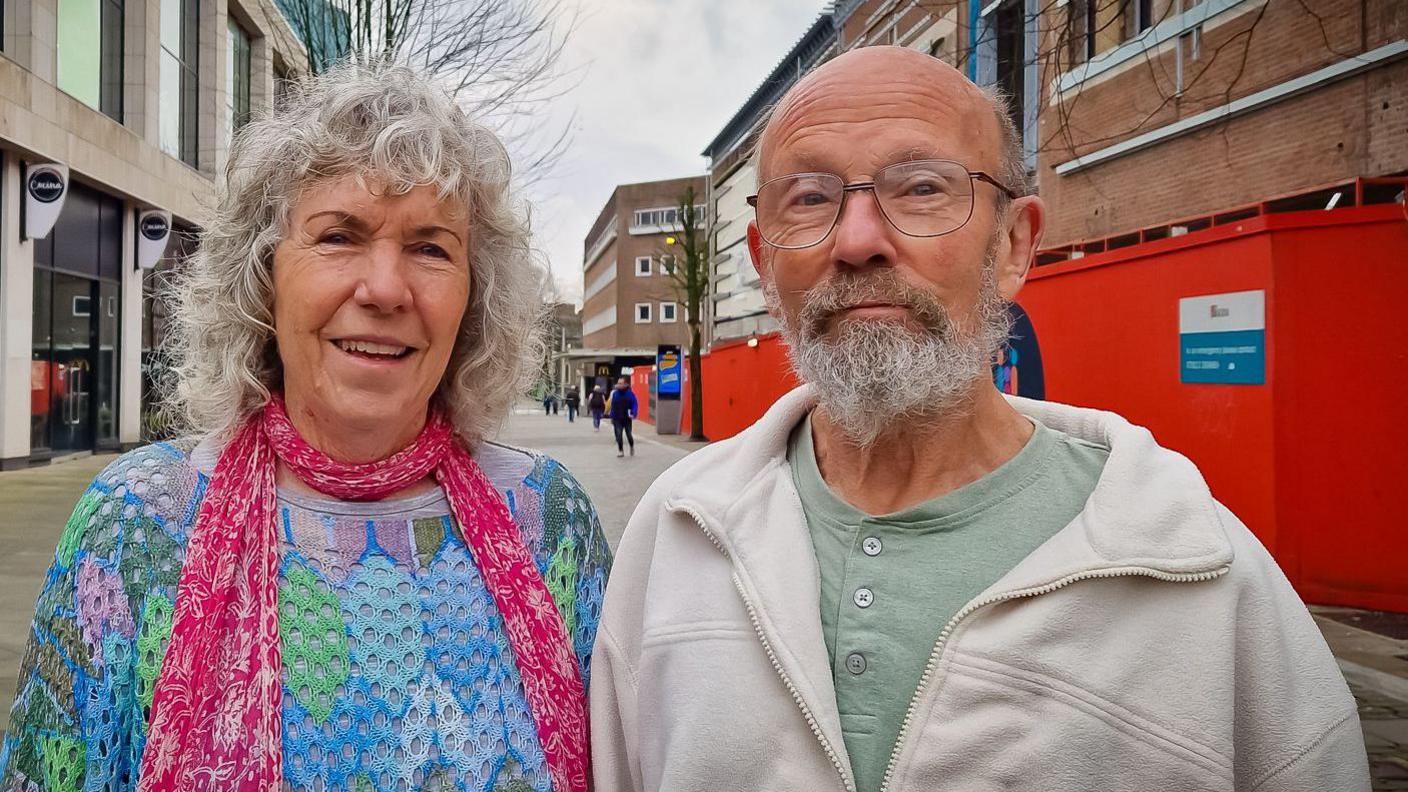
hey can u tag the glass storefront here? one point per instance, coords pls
(157, 377)
(77, 325)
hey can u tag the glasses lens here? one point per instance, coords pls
(797, 211)
(925, 198)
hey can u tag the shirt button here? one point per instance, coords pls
(864, 598)
(872, 546)
(855, 663)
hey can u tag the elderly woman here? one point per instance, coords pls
(343, 584)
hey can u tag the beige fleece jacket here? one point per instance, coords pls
(1152, 644)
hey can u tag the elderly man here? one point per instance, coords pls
(899, 579)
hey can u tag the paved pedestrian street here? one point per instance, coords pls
(35, 503)
(615, 485)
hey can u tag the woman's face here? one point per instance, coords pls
(369, 291)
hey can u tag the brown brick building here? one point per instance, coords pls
(629, 304)
(1137, 113)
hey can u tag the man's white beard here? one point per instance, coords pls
(873, 377)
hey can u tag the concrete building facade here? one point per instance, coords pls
(629, 302)
(736, 300)
(138, 98)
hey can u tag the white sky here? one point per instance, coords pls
(658, 79)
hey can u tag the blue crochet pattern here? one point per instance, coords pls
(397, 673)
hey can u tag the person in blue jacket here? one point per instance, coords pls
(623, 407)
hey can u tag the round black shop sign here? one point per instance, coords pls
(154, 227)
(45, 186)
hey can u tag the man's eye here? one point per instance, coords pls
(812, 199)
(924, 188)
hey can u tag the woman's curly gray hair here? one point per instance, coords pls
(389, 124)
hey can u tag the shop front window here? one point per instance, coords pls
(76, 360)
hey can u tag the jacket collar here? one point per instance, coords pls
(1150, 508)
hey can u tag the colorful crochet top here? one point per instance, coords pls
(397, 673)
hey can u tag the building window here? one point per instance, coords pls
(1011, 58)
(90, 53)
(237, 79)
(667, 265)
(75, 330)
(642, 313)
(1081, 28)
(667, 312)
(283, 82)
(643, 264)
(656, 217)
(180, 21)
(1141, 16)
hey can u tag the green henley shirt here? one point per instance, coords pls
(890, 583)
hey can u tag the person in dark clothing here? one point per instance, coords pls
(623, 409)
(547, 404)
(596, 403)
(573, 402)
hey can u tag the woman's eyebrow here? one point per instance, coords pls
(432, 229)
(345, 218)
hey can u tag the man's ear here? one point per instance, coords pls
(1024, 223)
(760, 253)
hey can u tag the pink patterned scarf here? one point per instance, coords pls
(216, 721)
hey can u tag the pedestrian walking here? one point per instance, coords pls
(573, 402)
(547, 403)
(300, 595)
(623, 407)
(596, 403)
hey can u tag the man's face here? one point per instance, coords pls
(854, 117)
(868, 288)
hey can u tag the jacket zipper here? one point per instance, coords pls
(934, 656)
(772, 657)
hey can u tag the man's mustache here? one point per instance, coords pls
(840, 293)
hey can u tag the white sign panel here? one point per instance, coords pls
(46, 186)
(1222, 339)
(1222, 313)
(153, 231)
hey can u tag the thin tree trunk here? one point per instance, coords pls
(696, 382)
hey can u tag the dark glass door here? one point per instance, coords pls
(73, 366)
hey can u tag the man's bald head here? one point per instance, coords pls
(885, 82)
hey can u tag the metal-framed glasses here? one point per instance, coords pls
(924, 198)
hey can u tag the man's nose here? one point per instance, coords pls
(863, 237)
(383, 286)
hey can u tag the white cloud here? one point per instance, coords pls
(658, 80)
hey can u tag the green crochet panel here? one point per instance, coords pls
(313, 638)
(561, 580)
(63, 763)
(152, 639)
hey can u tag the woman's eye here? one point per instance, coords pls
(334, 238)
(429, 249)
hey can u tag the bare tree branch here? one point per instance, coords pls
(500, 59)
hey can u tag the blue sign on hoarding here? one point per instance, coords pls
(1222, 339)
(668, 370)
